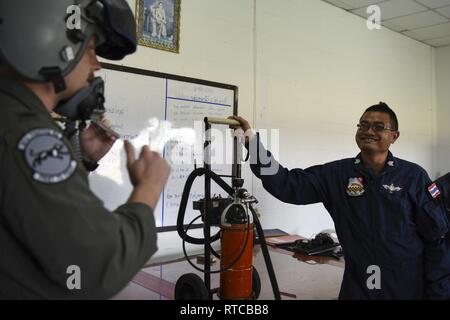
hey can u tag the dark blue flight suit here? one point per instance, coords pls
(444, 186)
(386, 220)
(440, 255)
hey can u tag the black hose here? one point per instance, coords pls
(184, 200)
(265, 251)
(183, 203)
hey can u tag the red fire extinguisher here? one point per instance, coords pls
(236, 261)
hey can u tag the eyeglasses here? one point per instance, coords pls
(376, 126)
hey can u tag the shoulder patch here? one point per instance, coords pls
(434, 191)
(47, 155)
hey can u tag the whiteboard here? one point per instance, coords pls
(165, 112)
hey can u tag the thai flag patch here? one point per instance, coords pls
(434, 191)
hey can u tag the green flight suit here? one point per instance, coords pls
(49, 218)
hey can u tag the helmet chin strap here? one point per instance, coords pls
(83, 103)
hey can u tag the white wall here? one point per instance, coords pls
(442, 154)
(308, 69)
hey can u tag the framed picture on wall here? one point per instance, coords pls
(158, 24)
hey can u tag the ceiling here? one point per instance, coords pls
(427, 21)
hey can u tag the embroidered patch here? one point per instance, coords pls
(391, 188)
(434, 191)
(355, 187)
(47, 155)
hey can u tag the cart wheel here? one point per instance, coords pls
(190, 287)
(256, 284)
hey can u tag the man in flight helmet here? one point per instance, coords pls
(58, 240)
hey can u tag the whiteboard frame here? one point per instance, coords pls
(126, 69)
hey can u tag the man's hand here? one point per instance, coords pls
(244, 124)
(148, 174)
(96, 142)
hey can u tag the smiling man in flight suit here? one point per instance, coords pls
(51, 223)
(383, 216)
